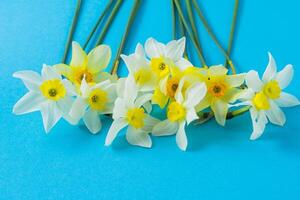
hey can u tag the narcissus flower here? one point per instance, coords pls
(139, 67)
(92, 101)
(48, 93)
(221, 90)
(266, 96)
(181, 112)
(90, 66)
(128, 111)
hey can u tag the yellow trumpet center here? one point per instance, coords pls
(79, 73)
(176, 112)
(217, 89)
(142, 76)
(172, 85)
(260, 101)
(159, 67)
(53, 89)
(272, 89)
(135, 117)
(98, 99)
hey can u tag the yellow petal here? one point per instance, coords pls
(159, 98)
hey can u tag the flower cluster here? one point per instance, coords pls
(159, 76)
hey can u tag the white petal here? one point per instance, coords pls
(71, 91)
(114, 129)
(271, 69)
(246, 94)
(130, 92)
(164, 128)
(50, 114)
(141, 100)
(275, 114)
(139, 50)
(149, 123)
(65, 105)
(99, 58)
(235, 80)
(181, 138)
(78, 109)
(178, 94)
(128, 60)
(92, 121)
(220, 109)
(30, 102)
(191, 115)
(253, 81)
(78, 56)
(49, 73)
(31, 79)
(138, 137)
(194, 94)
(285, 76)
(175, 49)
(84, 88)
(259, 122)
(183, 64)
(120, 109)
(148, 106)
(121, 87)
(217, 70)
(287, 100)
(154, 49)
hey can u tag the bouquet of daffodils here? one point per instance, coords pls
(160, 76)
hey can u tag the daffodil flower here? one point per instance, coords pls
(90, 66)
(93, 100)
(180, 113)
(128, 111)
(221, 90)
(139, 67)
(48, 93)
(266, 96)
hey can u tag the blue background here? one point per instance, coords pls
(221, 162)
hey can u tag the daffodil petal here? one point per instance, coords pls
(232, 95)
(78, 109)
(220, 109)
(148, 106)
(285, 76)
(102, 76)
(275, 114)
(175, 49)
(141, 100)
(71, 91)
(63, 69)
(50, 114)
(139, 50)
(159, 98)
(183, 64)
(130, 92)
(271, 69)
(98, 58)
(84, 88)
(191, 115)
(153, 48)
(64, 106)
(121, 87)
(138, 137)
(217, 70)
(30, 102)
(204, 103)
(114, 129)
(194, 94)
(253, 81)
(259, 122)
(31, 79)
(287, 100)
(181, 138)
(92, 121)
(79, 57)
(165, 128)
(49, 73)
(246, 94)
(149, 123)
(120, 109)
(235, 80)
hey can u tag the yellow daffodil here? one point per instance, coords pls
(90, 65)
(180, 113)
(266, 96)
(48, 93)
(128, 111)
(221, 90)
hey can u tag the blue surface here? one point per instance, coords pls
(221, 163)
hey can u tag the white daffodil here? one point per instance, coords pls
(89, 65)
(181, 112)
(222, 89)
(128, 111)
(266, 96)
(139, 67)
(48, 93)
(163, 57)
(93, 100)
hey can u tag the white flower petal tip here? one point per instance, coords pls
(181, 138)
(271, 69)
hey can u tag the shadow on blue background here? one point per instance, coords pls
(221, 163)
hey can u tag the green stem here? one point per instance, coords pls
(189, 32)
(238, 112)
(129, 23)
(109, 21)
(232, 29)
(211, 34)
(192, 21)
(173, 20)
(98, 23)
(182, 34)
(71, 32)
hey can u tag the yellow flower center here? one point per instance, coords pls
(53, 89)
(135, 117)
(172, 85)
(159, 67)
(142, 76)
(272, 89)
(176, 112)
(260, 101)
(79, 73)
(98, 99)
(217, 89)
